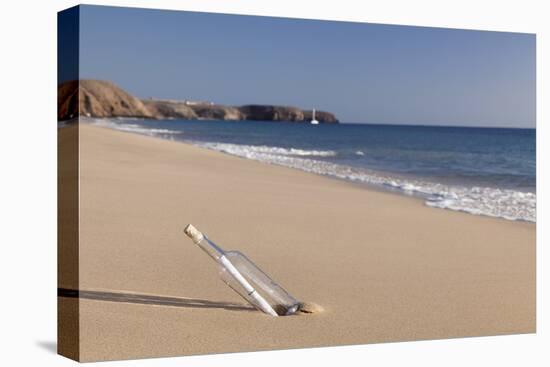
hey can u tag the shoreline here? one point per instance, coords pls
(384, 267)
(420, 196)
(359, 185)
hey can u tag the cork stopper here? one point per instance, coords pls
(193, 233)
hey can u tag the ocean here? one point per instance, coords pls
(482, 171)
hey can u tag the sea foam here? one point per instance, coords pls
(494, 202)
(121, 125)
(260, 152)
(489, 201)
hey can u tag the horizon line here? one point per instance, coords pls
(435, 125)
(306, 109)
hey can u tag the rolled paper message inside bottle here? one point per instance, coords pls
(245, 278)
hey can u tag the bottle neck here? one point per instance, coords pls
(213, 250)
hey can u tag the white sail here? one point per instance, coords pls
(313, 120)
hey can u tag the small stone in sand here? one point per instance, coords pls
(310, 308)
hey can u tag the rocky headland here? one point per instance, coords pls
(98, 98)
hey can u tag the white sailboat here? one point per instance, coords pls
(313, 120)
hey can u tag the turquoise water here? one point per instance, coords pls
(485, 171)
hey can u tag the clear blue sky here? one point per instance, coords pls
(361, 72)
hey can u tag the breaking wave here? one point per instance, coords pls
(494, 202)
(121, 125)
(498, 202)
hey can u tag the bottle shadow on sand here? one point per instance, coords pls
(150, 299)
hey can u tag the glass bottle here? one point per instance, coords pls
(245, 278)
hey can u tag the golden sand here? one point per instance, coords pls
(383, 267)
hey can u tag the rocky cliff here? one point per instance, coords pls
(97, 98)
(217, 112)
(272, 113)
(170, 110)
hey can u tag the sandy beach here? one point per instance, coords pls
(384, 266)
